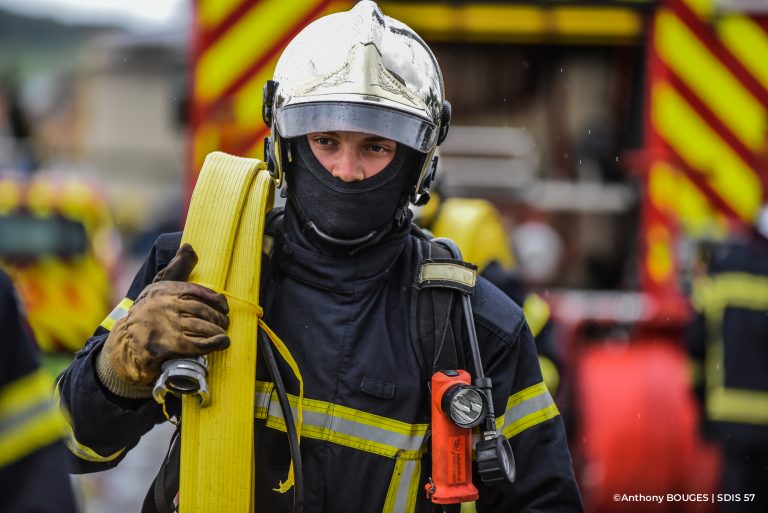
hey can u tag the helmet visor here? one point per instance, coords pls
(402, 127)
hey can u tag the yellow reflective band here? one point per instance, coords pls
(447, 272)
(536, 312)
(81, 451)
(696, 372)
(269, 245)
(712, 295)
(403, 487)
(28, 418)
(735, 405)
(120, 311)
(16, 396)
(526, 409)
(737, 290)
(345, 426)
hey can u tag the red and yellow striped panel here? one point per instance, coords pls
(235, 48)
(707, 123)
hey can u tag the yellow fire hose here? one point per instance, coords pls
(225, 226)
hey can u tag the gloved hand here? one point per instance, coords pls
(170, 319)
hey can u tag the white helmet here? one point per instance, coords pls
(358, 71)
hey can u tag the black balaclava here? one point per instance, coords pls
(348, 214)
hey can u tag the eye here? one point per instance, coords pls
(379, 148)
(323, 141)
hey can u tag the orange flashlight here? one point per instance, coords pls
(457, 407)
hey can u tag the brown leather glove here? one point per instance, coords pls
(170, 319)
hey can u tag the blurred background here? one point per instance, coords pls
(612, 145)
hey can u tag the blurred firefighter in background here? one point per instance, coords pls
(475, 225)
(60, 247)
(16, 142)
(33, 469)
(728, 345)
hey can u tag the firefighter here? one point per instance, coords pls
(727, 344)
(33, 459)
(357, 112)
(476, 227)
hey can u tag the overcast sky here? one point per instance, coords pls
(148, 14)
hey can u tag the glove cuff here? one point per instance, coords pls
(115, 384)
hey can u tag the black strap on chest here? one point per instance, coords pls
(436, 321)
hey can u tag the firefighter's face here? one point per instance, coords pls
(352, 156)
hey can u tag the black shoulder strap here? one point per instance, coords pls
(437, 329)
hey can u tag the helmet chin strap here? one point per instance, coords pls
(338, 241)
(357, 243)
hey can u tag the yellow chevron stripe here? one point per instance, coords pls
(710, 80)
(748, 43)
(243, 44)
(703, 149)
(211, 12)
(248, 100)
(659, 258)
(671, 190)
(703, 8)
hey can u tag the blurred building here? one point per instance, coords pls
(130, 96)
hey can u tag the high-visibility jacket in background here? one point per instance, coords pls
(728, 345)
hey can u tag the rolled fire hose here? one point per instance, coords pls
(225, 226)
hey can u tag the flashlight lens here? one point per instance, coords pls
(466, 406)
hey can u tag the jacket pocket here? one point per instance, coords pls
(378, 388)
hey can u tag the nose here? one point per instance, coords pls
(348, 165)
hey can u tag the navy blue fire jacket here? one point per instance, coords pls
(727, 340)
(364, 444)
(33, 459)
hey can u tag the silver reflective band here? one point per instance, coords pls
(120, 311)
(525, 409)
(345, 426)
(404, 487)
(447, 272)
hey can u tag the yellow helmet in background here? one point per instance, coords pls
(60, 247)
(475, 225)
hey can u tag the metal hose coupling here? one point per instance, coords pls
(183, 376)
